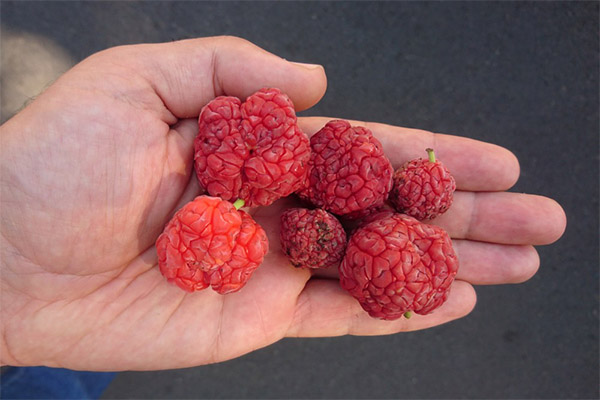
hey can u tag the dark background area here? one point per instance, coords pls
(523, 75)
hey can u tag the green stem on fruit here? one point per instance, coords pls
(239, 203)
(431, 155)
(408, 314)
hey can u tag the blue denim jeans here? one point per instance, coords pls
(52, 383)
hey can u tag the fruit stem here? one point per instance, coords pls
(408, 314)
(431, 155)
(239, 203)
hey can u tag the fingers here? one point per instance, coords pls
(476, 166)
(188, 74)
(325, 309)
(482, 263)
(506, 218)
(241, 68)
(503, 217)
(491, 264)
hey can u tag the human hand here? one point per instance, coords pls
(94, 167)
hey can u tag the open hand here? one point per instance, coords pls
(94, 167)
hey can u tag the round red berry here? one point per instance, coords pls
(312, 238)
(253, 151)
(396, 264)
(348, 169)
(423, 188)
(208, 242)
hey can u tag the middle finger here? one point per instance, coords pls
(482, 263)
(503, 217)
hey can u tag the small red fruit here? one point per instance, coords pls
(312, 238)
(253, 151)
(209, 242)
(396, 265)
(423, 188)
(348, 170)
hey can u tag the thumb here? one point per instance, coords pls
(188, 74)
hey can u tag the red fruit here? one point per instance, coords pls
(348, 170)
(397, 265)
(209, 242)
(351, 222)
(253, 151)
(312, 238)
(422, 188)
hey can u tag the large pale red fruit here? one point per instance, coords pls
(209, 242)
(253, 151)
(396, 265)
(348, 170)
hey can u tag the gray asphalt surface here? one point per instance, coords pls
(523, 75)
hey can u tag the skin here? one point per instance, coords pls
(93, 168)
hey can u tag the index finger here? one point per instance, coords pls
(476, 165)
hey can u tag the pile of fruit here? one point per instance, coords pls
(253, 153)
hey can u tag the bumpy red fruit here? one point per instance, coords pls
(351, 222)
(253, 151)
(423, 188)
(348, 169)
(312, 238)
(397, 265)
(209, 242)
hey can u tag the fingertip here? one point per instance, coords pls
(308, 66)
(559, 224)
(461, 302)
(473, 303)
(551, 218)
(514, 168)
(311, 88)
(530, 264)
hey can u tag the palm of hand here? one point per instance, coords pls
(83, 274)
(125, 175)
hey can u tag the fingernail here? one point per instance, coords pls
(307, 66)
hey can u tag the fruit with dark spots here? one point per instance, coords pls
(312, 238)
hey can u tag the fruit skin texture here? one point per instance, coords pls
(397, 264)
(351, 222)
(348, 169)
(208, 242)
(253, 151)
(312, 238)
(422, 189)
